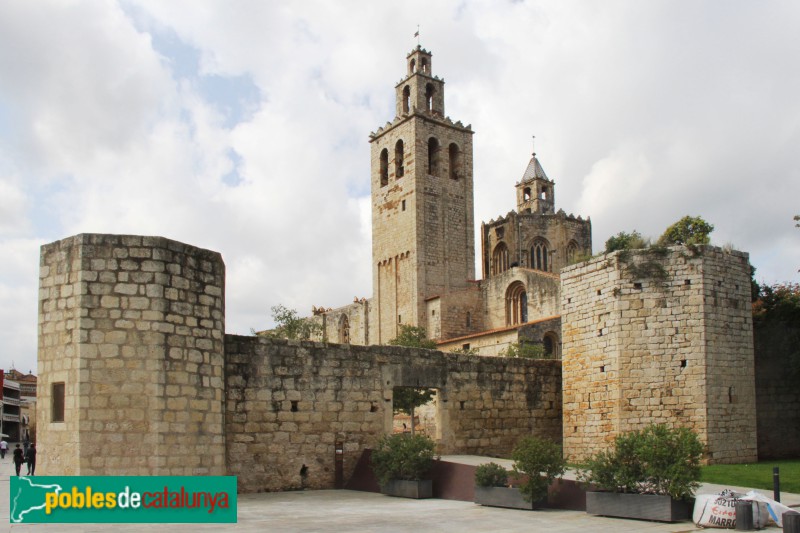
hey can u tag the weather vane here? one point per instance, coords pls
(533, 144)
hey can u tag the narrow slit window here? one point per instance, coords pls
(58, 402)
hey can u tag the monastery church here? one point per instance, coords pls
(423, 249)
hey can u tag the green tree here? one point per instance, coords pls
(288, 325)
(625, 241)
(525, 350)
(413, 337)
(689, 231)
(407, 399)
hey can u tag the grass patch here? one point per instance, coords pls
(754, 475)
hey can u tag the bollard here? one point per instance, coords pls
(744, 515)
(776, 484)
(791, 522)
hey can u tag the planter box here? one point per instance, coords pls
(409, 489)
(640, 506)
(505, 497)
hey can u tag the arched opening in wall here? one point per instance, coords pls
(429, 90)
(433, 156)
(572, 252)
(412, 68)
(425, 65)
(543, 194)
(552, 346)
(539, 255)
(526, 194)
(516, 304)
(399, 168)
(500, 258)
(384, 167)
(344, 330)
(416, 410)
(406, 99)
(455, 161)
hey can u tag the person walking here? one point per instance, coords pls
(18, 458)
(30, 458)
(3, 448)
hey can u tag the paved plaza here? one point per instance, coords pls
(343, 510)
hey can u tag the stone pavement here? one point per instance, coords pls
(342, 511)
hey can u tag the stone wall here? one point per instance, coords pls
(289, 403)
(133, 327)
(543, 292)
(659, 338)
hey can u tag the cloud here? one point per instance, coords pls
(243, 128)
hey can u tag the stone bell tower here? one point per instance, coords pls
(422, 206)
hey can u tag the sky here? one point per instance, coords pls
(243, 127)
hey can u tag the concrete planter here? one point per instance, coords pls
(639, 506)
(505, 497)
(409, 489)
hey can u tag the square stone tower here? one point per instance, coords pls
(659, 336)
(422, 203)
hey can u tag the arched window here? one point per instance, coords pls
(399, 170)
(543, 194)
(539, 256)
(572, 252)
(526, 194)
(344, 330)
(500, 259)
(433, 156)
(413, 66)
(424, 65)
(516, 304)
(384, 167)
(406, 99)
(455, 161)
(552, 349)
(429, 97)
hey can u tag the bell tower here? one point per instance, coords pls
(423, 243)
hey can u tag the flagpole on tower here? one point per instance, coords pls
(417, 35)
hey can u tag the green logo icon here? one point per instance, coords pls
(124, 499)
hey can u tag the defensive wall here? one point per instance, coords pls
(138, 378)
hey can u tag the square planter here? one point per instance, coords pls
(639, 506)
(409, 489)
(505, 497)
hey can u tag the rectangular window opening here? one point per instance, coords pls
(58, 402)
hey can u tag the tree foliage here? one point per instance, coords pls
(288, 325)
(525, 350)
(626, 241)
(413, 337)
(689, 231)
(776, 324)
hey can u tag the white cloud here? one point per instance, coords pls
(643, 113)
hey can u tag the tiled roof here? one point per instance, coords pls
(534, 170)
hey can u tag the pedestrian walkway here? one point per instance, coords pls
(344, 511)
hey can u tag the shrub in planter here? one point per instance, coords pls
(402, 457)
(656, 462)
(541, 461)
(491, 475)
